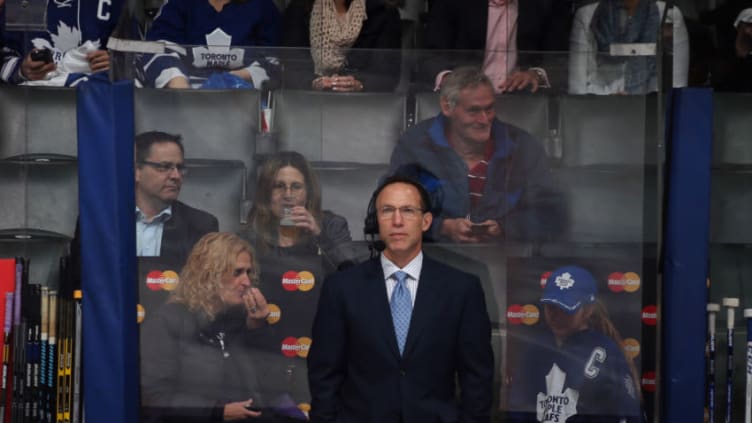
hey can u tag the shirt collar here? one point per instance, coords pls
(412, 268)
(161, 217)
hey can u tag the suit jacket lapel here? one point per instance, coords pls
(376, 299)
(174, 240)
(426, 301)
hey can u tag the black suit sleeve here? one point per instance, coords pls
(327, 356)
(213, 224)
(440, 33)
(298, 66)
(295, 26)
(376, 58)
(476, 362)
(458, 30)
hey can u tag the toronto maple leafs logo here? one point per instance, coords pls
(557, 404)
(564, 281)
(67, 38)
(217, 53)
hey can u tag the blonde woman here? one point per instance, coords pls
(197, 362)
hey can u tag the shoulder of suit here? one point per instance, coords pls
(357, 272)
(446, 270)
(183, 209)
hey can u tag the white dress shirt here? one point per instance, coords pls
(412, 269)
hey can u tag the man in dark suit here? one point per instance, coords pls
(164, 225)
(541, 26)
(393, 335)
(166, 229)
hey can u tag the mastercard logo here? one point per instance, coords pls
(527, 314)
(157, 280)
(274, 314)
(648, 382)
(140, 313)
(292, 346)
(631, 348)
(650, 315)
(544, 278)
(298, 281)
(624, 282)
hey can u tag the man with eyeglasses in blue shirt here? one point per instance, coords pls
(164, 225)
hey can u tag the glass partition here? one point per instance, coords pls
(580, 185)
(38, 209)
(729, 237)
(570, 179)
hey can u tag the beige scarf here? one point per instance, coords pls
(331, 35)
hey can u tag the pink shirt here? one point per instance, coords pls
(501, 40)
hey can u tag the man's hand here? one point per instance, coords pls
(464, 231)
(459, 230)
(35, 70)
(492, 230)
(520, 80)
(98, 60)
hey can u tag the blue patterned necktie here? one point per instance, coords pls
(402, 308)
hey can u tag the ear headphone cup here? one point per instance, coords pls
(370, 225)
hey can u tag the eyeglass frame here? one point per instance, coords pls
(166, 167)
(387, 212)
(294, 188)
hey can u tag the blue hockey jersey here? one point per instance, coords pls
(587, 379)
(202, 40)
(70, 23)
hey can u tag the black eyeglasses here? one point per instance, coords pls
(166, 167)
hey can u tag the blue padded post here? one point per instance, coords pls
(689, 130)
(108, 247)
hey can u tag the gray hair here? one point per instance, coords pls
(459, 79)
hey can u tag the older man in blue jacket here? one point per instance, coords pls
(494, 177)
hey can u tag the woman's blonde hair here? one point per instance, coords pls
(212, 258)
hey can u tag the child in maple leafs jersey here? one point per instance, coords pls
(574, 369)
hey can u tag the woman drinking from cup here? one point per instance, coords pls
(298, 244)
